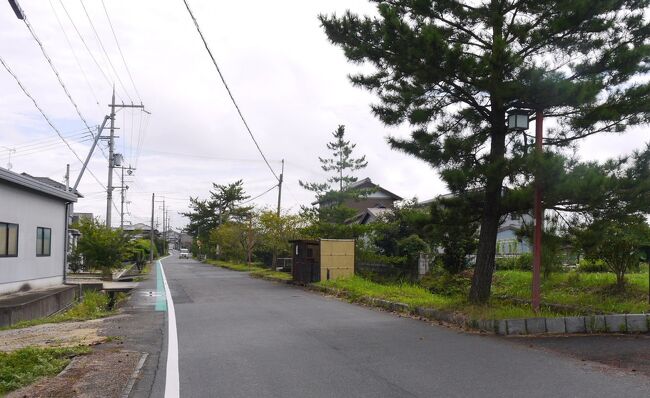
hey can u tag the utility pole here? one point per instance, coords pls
(153, 204)
(124, 188)
(280, 187)
(111, 155)
(67, 177)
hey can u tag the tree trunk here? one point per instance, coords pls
(482, 279)
(274, 261)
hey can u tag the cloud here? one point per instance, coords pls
(290, 82)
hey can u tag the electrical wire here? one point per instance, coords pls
(56, 72)
(74, 53)
(260, 195)
(223, 80)
(104, 50)
(92, 56)
(47, 119)
(121, 53)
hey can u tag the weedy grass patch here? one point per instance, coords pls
(23, 367)
(93, 305)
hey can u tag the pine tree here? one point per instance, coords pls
(453, 70)
(342, 165)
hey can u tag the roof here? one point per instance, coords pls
(32, 184)
(368, 215)
(366, 183)
(52, 183)
(135, 227)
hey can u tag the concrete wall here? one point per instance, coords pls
(29, 210)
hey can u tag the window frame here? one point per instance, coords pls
(49, 241)
(6, 242)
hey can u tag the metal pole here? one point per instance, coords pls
(280, 187)
(164, 233)
(153, 203)
(539, 220)
(90, 153)
(109, 188)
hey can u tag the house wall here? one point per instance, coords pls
(29, 210)
(507, 244)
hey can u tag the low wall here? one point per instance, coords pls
(35, 305)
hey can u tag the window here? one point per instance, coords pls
(8, 240)
(43, 241)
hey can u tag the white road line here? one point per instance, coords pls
(172, 386)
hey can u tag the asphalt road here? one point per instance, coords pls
(243, 337)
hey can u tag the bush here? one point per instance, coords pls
(586, 265)
(446, 284)
(523, 262)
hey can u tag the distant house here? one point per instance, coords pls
(508, 244)
(34, 219)
(140, 230)
(78, 217)
(369, 205)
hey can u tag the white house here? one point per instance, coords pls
(33, 230)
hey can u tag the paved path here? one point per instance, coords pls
(243, 337)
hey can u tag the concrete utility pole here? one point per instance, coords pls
(111, 155)
(67, 177)
(280, 187)
(153, 204)
(124, 188)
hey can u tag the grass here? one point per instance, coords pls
(584, 293)
(254, 269)
(589, 291)
(414, 296)
(93, 305)
(22, 367)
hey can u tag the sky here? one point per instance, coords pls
(289, 81)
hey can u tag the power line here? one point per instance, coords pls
(260, 195)
(47, 118)
(104, 50)
(74, 53)
(56, 72)
(110, 84)
(121, 54)
(223, 80)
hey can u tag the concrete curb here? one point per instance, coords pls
(619, 323)
(616, 323)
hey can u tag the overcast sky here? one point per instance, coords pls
(290, 82)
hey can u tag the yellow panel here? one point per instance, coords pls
(338, 257)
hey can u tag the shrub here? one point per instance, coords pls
(506, 263)
(444, 283)
(525, 262)
(586, 265)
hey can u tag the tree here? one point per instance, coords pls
(223, 206)
(102, 247)
(331, 194)
(455, 228)
(618, 241)
(453, 70)
(276, 232)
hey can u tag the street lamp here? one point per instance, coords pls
(518, 121)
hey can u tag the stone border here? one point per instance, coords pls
(616, 323)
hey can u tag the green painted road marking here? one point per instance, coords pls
(161, 299)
